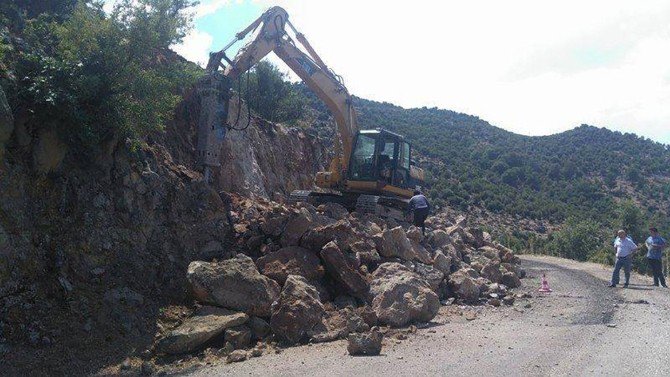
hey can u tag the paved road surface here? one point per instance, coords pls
(565, 333)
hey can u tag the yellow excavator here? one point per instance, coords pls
(372, 170)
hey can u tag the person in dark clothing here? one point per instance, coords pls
(421, 208)
(655, 245)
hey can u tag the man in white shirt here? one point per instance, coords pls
(625, 247)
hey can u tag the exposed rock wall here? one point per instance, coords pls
(91, 248)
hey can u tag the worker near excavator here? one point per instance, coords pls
(421, 208)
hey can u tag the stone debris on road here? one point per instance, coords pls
(303, 274)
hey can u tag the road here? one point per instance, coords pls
(582, 328)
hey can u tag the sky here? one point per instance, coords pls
(531, 67)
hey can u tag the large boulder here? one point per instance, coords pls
(393, 243)
(421, 254)
(401, 296)
(233, 284)
(442, 262)
(333, 210)
(492, 272)
(463, 285)
(239, 337)
(510, 279)
(292, 260)
(489, 252)
(438, 238)
(341, 270)
(369, 344)
(298, 225)
(339, 324)
(298, 312)
(340, 232)
(196, 331)
(431, 274)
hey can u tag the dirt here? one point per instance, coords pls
(581, 328)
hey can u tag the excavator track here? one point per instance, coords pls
(382, 206)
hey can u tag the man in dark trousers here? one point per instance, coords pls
(655, 245)
(419, 204)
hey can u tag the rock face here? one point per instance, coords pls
(298, 311)
(268, 160)
(340, 269)
(401, 296)
(49, 152)
(233, 284)
(292, 260)
(198, 330)
(365, 344)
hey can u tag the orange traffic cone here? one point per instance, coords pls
(545, 285)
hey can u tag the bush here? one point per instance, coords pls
(270, 94)
(94, 77)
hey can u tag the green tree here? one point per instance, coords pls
(578, 239)
(270, 94)
(94, 77)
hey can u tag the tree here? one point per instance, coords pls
(94, 77)
(270, 94)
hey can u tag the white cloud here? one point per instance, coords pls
(209, 7)
(195, 47)
(528, 66)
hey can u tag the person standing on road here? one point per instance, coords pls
(419, 204)
(625, 247)
(655, 245)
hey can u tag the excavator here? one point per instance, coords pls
(372, 171)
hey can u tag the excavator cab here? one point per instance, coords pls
(383, 158)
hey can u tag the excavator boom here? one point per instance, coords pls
(381, 164)
(272, 37)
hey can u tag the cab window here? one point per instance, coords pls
(404, 156)
(362, 160)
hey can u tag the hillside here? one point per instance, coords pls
(578, 172)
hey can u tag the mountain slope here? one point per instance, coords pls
(582, 171)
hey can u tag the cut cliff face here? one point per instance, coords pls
(264, 160)
(269, 160)
(91, 249)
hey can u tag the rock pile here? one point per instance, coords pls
(306, 274)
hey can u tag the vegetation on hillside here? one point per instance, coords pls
(94, 76)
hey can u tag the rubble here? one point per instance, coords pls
(321, 274)
(365, 344)
(198, 330)
(401, 296)
(292, 260)
(342, 271)
(297, 312)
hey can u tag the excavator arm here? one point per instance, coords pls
(272, 37)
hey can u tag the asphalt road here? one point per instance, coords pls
(582, 328)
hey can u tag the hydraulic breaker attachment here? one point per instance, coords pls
(214, 94)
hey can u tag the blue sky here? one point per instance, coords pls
(531, 67)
